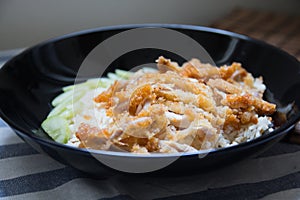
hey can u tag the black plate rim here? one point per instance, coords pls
(157, 25)
(262, 139)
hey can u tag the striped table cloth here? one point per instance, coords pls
(275, 174)
(27, 174)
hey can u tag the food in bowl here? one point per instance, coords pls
(172, 109)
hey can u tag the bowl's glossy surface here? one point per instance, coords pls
(32, 79)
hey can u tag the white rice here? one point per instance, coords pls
(225, 140)
(245, 134)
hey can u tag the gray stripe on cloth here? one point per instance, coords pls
(2, 123)
(19, 149)
(281, 148)
(292, 194)
(245, 191)
(24, 165)
(244, 172)
(38, 182)
(80, 188)
(8, 136)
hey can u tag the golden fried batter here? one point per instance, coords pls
(177, 108)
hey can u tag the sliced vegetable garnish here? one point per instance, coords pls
(57, 128)
(62, 97)
(62, 106)
(123, 74)
(67, 104)
(113, 76)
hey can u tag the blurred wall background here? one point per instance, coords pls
(25, 23)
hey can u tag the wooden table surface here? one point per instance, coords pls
(278, 29)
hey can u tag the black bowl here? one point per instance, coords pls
(30, 81)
